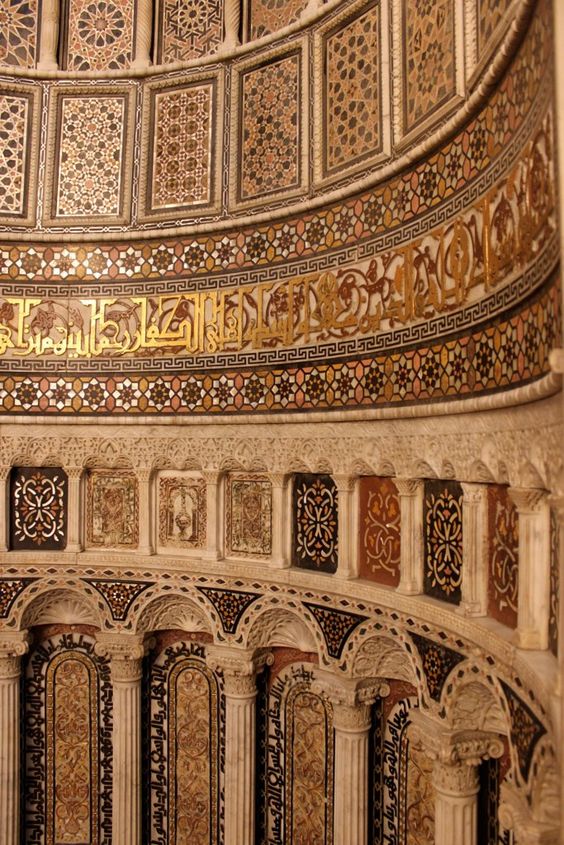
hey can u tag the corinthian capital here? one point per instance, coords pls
(13, 645)
(238, 667)
(125, 652)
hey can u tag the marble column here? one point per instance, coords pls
(145, 513)
(13, 646)
(474, 587)
(346, 567)
(214, 519)
(4, 507)
(126, 662)
(411, 511)
(351, 701)
(74, 475)
(143, 35)
(232, 18)
(49, 36)
(534, 567)
(239, 669)
(456, 756)
(280, 557)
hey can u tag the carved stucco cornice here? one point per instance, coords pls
(520, 447)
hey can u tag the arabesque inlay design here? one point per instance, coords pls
(380, 534)
(99, 34)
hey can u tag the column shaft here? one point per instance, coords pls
(125, 653)
(145, 521)
(351, 781)
(11, 651)
(232, 12)
(214, 516)
(534, 568)
(49, 35)
(240, 767)
(280, 557)
(346, 567)
(475, 551)
(144, 16)
(4, 507)
(74, 475)
(411, 508)
(456, 815)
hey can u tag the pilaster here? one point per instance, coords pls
(411, 510)
(74, 475)
(474, 587)
(126, 654)
(238, 669)
(351, 700)
(214, 539)
(4, 507)
(534, 567)
(49, 35)
(456, 756)
(346, 567)
(143, 34)
(280, 553)
(13, 646)
(144, 476)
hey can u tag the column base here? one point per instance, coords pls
(211, 555)
(529, 640)
(470, 608)
(280, 563)
(141, 64)
(47, 66)
(409, 588)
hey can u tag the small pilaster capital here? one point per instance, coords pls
(278, 480)
(143, 474)
(238, 667)
(473, 493)
(125, 652)
(13, 645)
(408, 487)
(5, 470)
(74, 473)
(211, 477)
(344, 482)
(528, 500)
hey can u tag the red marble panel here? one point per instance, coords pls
(379, 530)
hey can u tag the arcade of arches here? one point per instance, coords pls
(281, 422)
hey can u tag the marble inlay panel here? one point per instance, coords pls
(443, 540)
(182, 511)
(380, 535)
(503, 532)
(112, 516)
(38, 508)
(99, 34)
(14, 139)
(249, 515)
(19, 24)
(188, 29)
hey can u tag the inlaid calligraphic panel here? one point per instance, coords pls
(315, 523)
(443, 540)
(99, 34)
(38, 508)
(352, 108)
(429, 75)
(503, 533)
(183, 736)
(112, 513)
(67, 759)
(188, 29)
(19, 24)
(249, 515)
(380, 535)
(182, 511)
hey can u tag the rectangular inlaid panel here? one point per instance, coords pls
(352, 91)
(188, 30)
(15, 127)
(38, 508)
(268, 16)
(554, 613)
(89, 177)
(315, 523)
(249, 515)
(112, 513)
(442, 514)
(19, 22)
(182, 511)
(182, 147)
(490, 13)
(99, 35)
(270, 128)
(379, 530)
(429, 77)
(503, 539)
